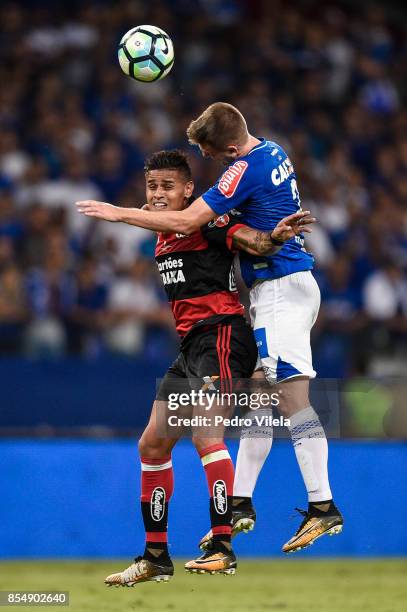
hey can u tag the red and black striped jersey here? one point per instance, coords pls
(198, 273)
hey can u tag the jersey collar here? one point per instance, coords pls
(261, 144)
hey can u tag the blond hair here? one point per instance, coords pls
(220, 125)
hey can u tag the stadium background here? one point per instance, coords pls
(84, 327)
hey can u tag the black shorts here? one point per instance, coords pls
(211, 357)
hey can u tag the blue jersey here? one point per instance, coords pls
(262, 186)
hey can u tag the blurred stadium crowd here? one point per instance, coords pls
(324, 80)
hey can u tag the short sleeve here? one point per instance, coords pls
(232, 189)
(220, 231)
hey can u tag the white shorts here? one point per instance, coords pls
(282, 313)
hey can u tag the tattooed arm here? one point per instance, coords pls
(256, 242)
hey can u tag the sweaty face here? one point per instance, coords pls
(167, 190)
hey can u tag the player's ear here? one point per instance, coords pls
(232, 151)
(189, 189)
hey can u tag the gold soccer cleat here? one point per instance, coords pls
(141, 571)
(213, 563)
(315, 524)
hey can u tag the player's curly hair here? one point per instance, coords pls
(169, 160)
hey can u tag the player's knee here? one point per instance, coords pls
(292, 396)
(152, 448)
(285, 400)
(284, 408)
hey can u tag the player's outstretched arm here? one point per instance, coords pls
(256, 242)
(183, 221)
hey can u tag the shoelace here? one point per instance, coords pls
(135, 569)
(303, 512)
(306, 516)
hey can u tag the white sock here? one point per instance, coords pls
(311, 449)
(254, 447)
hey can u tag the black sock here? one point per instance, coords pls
(241, 501)
(156, 552)
(316, 506)
(221, 543)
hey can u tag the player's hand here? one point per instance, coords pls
(99, 210)
(293, 225)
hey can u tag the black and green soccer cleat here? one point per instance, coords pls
(141, 570)
(243, 520)
(315, 524)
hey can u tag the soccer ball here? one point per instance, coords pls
(146, 53)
